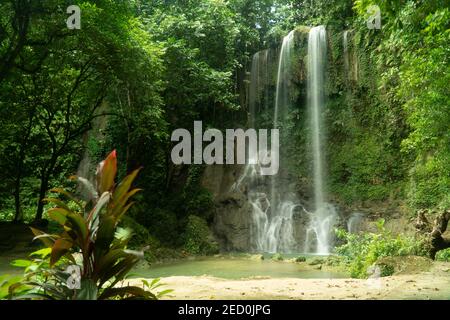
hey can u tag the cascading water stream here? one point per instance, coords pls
(323, 218)
(354, 222)
(272, 217)
(86, 167)
(280, 233)
(316, 56)
(272, 200)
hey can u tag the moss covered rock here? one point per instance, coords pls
(277, 257)
(198, 238)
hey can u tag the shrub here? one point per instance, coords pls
(277, 257)
(361, 251)
(90, 241)
(141, 236)
(300, 259)
(386, 269)
(198, 239)
(443, 255)
(316, 261)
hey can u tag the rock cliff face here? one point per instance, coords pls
(232, 225)
(232, 216)
(233, 219)
(232, 222)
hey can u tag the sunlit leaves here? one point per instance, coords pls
(107, 172)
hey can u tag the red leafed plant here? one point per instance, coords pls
(90, 238)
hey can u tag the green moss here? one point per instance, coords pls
(362, 251)
(443, 255)
(316, 261)
(277, 257)
(386, 270)
(198, 238)
(141, 236)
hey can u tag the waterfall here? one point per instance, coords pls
(259, 80)
(272, 210)
(354, 222)
(280, 236)
(316, 57)
(273, 200)
(251, 181)
(281, 107)
(87, 166)
(323, 218)
(283, 74)
(255, 84)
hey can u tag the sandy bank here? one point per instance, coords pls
(433, 284)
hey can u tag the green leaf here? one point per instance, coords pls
(21, 263)
(88, 290)
(107, 172)
(133, 291)
(120, 269)
(154, 282)
(59, 215)
(47, 239)
(124, 186)
(104, 199)
(107, 261)
(67, 194)
(58, 203)
(163, 293)
(59, 249)
(105, 234)
(43, 253)
(78, 224)
(120, 208)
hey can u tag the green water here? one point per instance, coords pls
(221, 267)
(7, 268)
(235, 268)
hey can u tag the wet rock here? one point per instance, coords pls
(232, 221)
(232, 217)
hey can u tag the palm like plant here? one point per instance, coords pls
(90, 238)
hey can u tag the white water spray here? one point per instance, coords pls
(323, 218)
(272, 217)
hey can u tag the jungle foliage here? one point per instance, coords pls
(90, 240)
(363, 251)
(139, 69)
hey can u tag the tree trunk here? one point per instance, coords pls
(434, 232)
(18, 217)
(47, 171)
(42, 191)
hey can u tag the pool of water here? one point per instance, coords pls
(228, 267)
(7, 268)
(235, 268)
